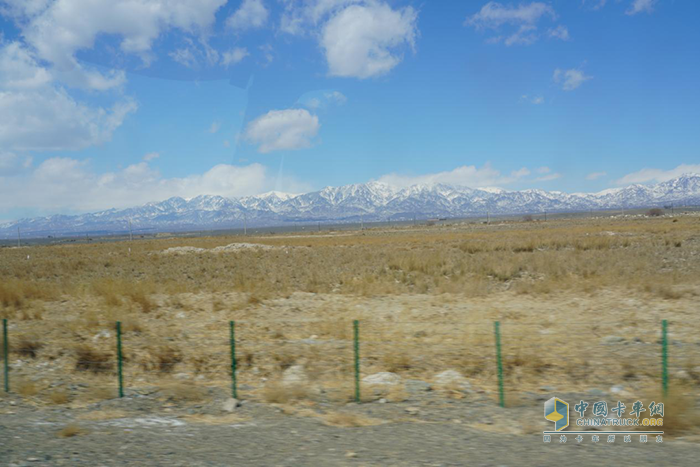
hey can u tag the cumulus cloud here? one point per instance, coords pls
(467, 175)
(233, 56)
(36, 114)
(518, 23)
(570, 79)
(280, 130)
(595, 175)
(303, 16)
(658, 175)
(251, 14)
(151, 156)
(49, 119)
(65, 184)
(560, 32)
(362, 41)
(11, 163)
(641, 6)
(56, 31)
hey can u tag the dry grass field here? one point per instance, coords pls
(580, 304)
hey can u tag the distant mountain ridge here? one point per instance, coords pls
(371, 201)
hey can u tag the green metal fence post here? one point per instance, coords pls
(119, 359)
(356, 329)
(232, 338)
(6, 354)
(497, 331)
(664, 356)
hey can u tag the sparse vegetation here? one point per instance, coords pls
(70, 430)
(426, 298)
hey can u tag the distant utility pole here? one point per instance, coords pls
(19, 243)
(245, 224)
(362, 222)
(131, 235)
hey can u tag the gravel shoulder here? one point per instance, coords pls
(145, 430)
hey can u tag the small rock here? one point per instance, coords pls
(682, 375)
(452, 378)
(182, 376)
(617, 389)
(382, 401)
(350, 454)
(412, 410)
(612, 339)
(384, 378)
(294, 375)
(230, 405)
(417, 386)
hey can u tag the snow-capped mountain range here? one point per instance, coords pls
(371, 201)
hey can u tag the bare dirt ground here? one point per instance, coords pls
(580, 305)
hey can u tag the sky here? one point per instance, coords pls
(111, 104)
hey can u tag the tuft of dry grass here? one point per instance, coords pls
(89, 359)
(100, 393)
(277, 393)
(680, 413)
(182, 392)
(28, 346)
(71, 430)
(349, 420)
(27, 389)
(59, 397)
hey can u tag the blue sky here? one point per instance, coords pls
(113, 104)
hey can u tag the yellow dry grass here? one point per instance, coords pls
(426, 298)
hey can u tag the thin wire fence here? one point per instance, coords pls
(341, 357)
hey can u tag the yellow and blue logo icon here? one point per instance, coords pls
(557, 411)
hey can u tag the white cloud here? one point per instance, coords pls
(11, 163)
(233, 56)
(658, 175)
(595, 4)
(50, 119)
(151, 156)
(251, 14)
(570, 79)
(280, 130)
(595, 175)
(185, 57)
(361, 41)
(65, 184)
(560, 32)
(215, 126)
(537, 100)
(321, 99)
(641, 6)
(303, 16)
(548, 177)
(520, 20)
(471, 176)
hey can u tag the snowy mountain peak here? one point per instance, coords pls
(369, 201)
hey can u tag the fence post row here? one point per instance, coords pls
(356, 339)
(120, 359)
(6, 355)
(497, 332)
(356, 347)
(232, 339)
